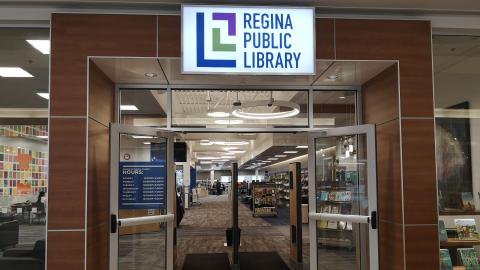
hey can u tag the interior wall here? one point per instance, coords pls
(76, 36)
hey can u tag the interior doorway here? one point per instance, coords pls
(264, 121)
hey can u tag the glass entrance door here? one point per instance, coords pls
(343, 199)
(142, 198)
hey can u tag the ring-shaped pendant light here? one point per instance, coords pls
(239, 110)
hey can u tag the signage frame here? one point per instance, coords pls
(233, 6)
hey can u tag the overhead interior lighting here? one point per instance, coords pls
(237, 151)
(332, 77)
(342, 97)
(280, 156)
(142, 137)
(221, 160)
(231, 143)
(229, 157)
(206, 158)
(151, 75)
(44, 95)
(148, 143)
(247, 134)
(272, 158)
(241, 113)
(230, 148)
(14, 72)
(42, 45)
(206, 162)
(43, 137)
(267, 161)
(128, 108)
(218, 114)
(290, 152)
(228, 121)
(302, 146)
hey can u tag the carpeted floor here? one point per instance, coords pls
(261, 261)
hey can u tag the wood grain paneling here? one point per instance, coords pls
(97, 247)
(421, 243)
(380, 97)
(76, 36)
(391, 246)
(389, 181)
(419, 180)
(66, 194)
(325, 45)
(406, 41)
(65, 250)
(169, 36)
(101, 96)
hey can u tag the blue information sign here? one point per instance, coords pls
(143, 185)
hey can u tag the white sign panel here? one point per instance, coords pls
(248, 40)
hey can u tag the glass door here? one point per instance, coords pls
(142, 198)
(343, 199)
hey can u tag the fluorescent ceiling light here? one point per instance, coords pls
(272, 158)
(218, 114)
(228, 154)
(237, 151)
(290, 152)
(44, 95)
(147, 143)
(206, 162)
(231, 143)
(206, 158)
(128, 108)
(220, 160)
(267, 161)
(228, 121)
(14, 72)
(42, 136)
(341, 97)
(302, 146)
(230, 148)
(142, 137)
(280, 156)
(229, 157)
(42, 45)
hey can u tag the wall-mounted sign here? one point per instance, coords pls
(143, 185)
(248, 40)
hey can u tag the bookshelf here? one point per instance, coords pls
(282, 183)
(264, 199)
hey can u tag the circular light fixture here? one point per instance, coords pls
(151, 75)
(218, 114)
(228, 121)
(240, 110)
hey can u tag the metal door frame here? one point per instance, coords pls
(372, 219)
(115, 131)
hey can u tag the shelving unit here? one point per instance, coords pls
(334, 195)
(282, 183)
(264, 199)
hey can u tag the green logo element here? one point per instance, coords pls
(217, 44)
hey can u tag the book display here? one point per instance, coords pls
(469, 259)
(337, 185)
(466, 229)
(282, 183)
(459, 243)
(445, 260)
(264, 199)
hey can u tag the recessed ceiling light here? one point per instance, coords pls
(229, 157)
(280, 156)
(342, 97)
(272, 158)
(206, 158)
(42, 45)
(147, 143)
(267, 161)
(142, 137)
(290, 152)
(218, 114)
(228, 121)
(230, 148)
(221, 160)
(128, 108)
(231, 143)
(206, 162)
(302, 146)
(332, 77)
(44, 95)
(247, 134)
(151, 75)
(42, 136)
(229, 154)
(14, 72)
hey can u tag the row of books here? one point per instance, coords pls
(468, 259)
(338, 225)
(339, 196)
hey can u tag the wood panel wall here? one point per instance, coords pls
(404, 118)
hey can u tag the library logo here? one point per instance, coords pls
(216, 40)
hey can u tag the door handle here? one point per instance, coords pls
(113, 223)
(374, 220)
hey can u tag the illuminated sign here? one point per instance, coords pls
(248, 40)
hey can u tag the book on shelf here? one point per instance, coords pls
(466, 229)
(443, 231)
(323, 224)
(467, 201)
(469, 259)
(445, 260)
(334, 224)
